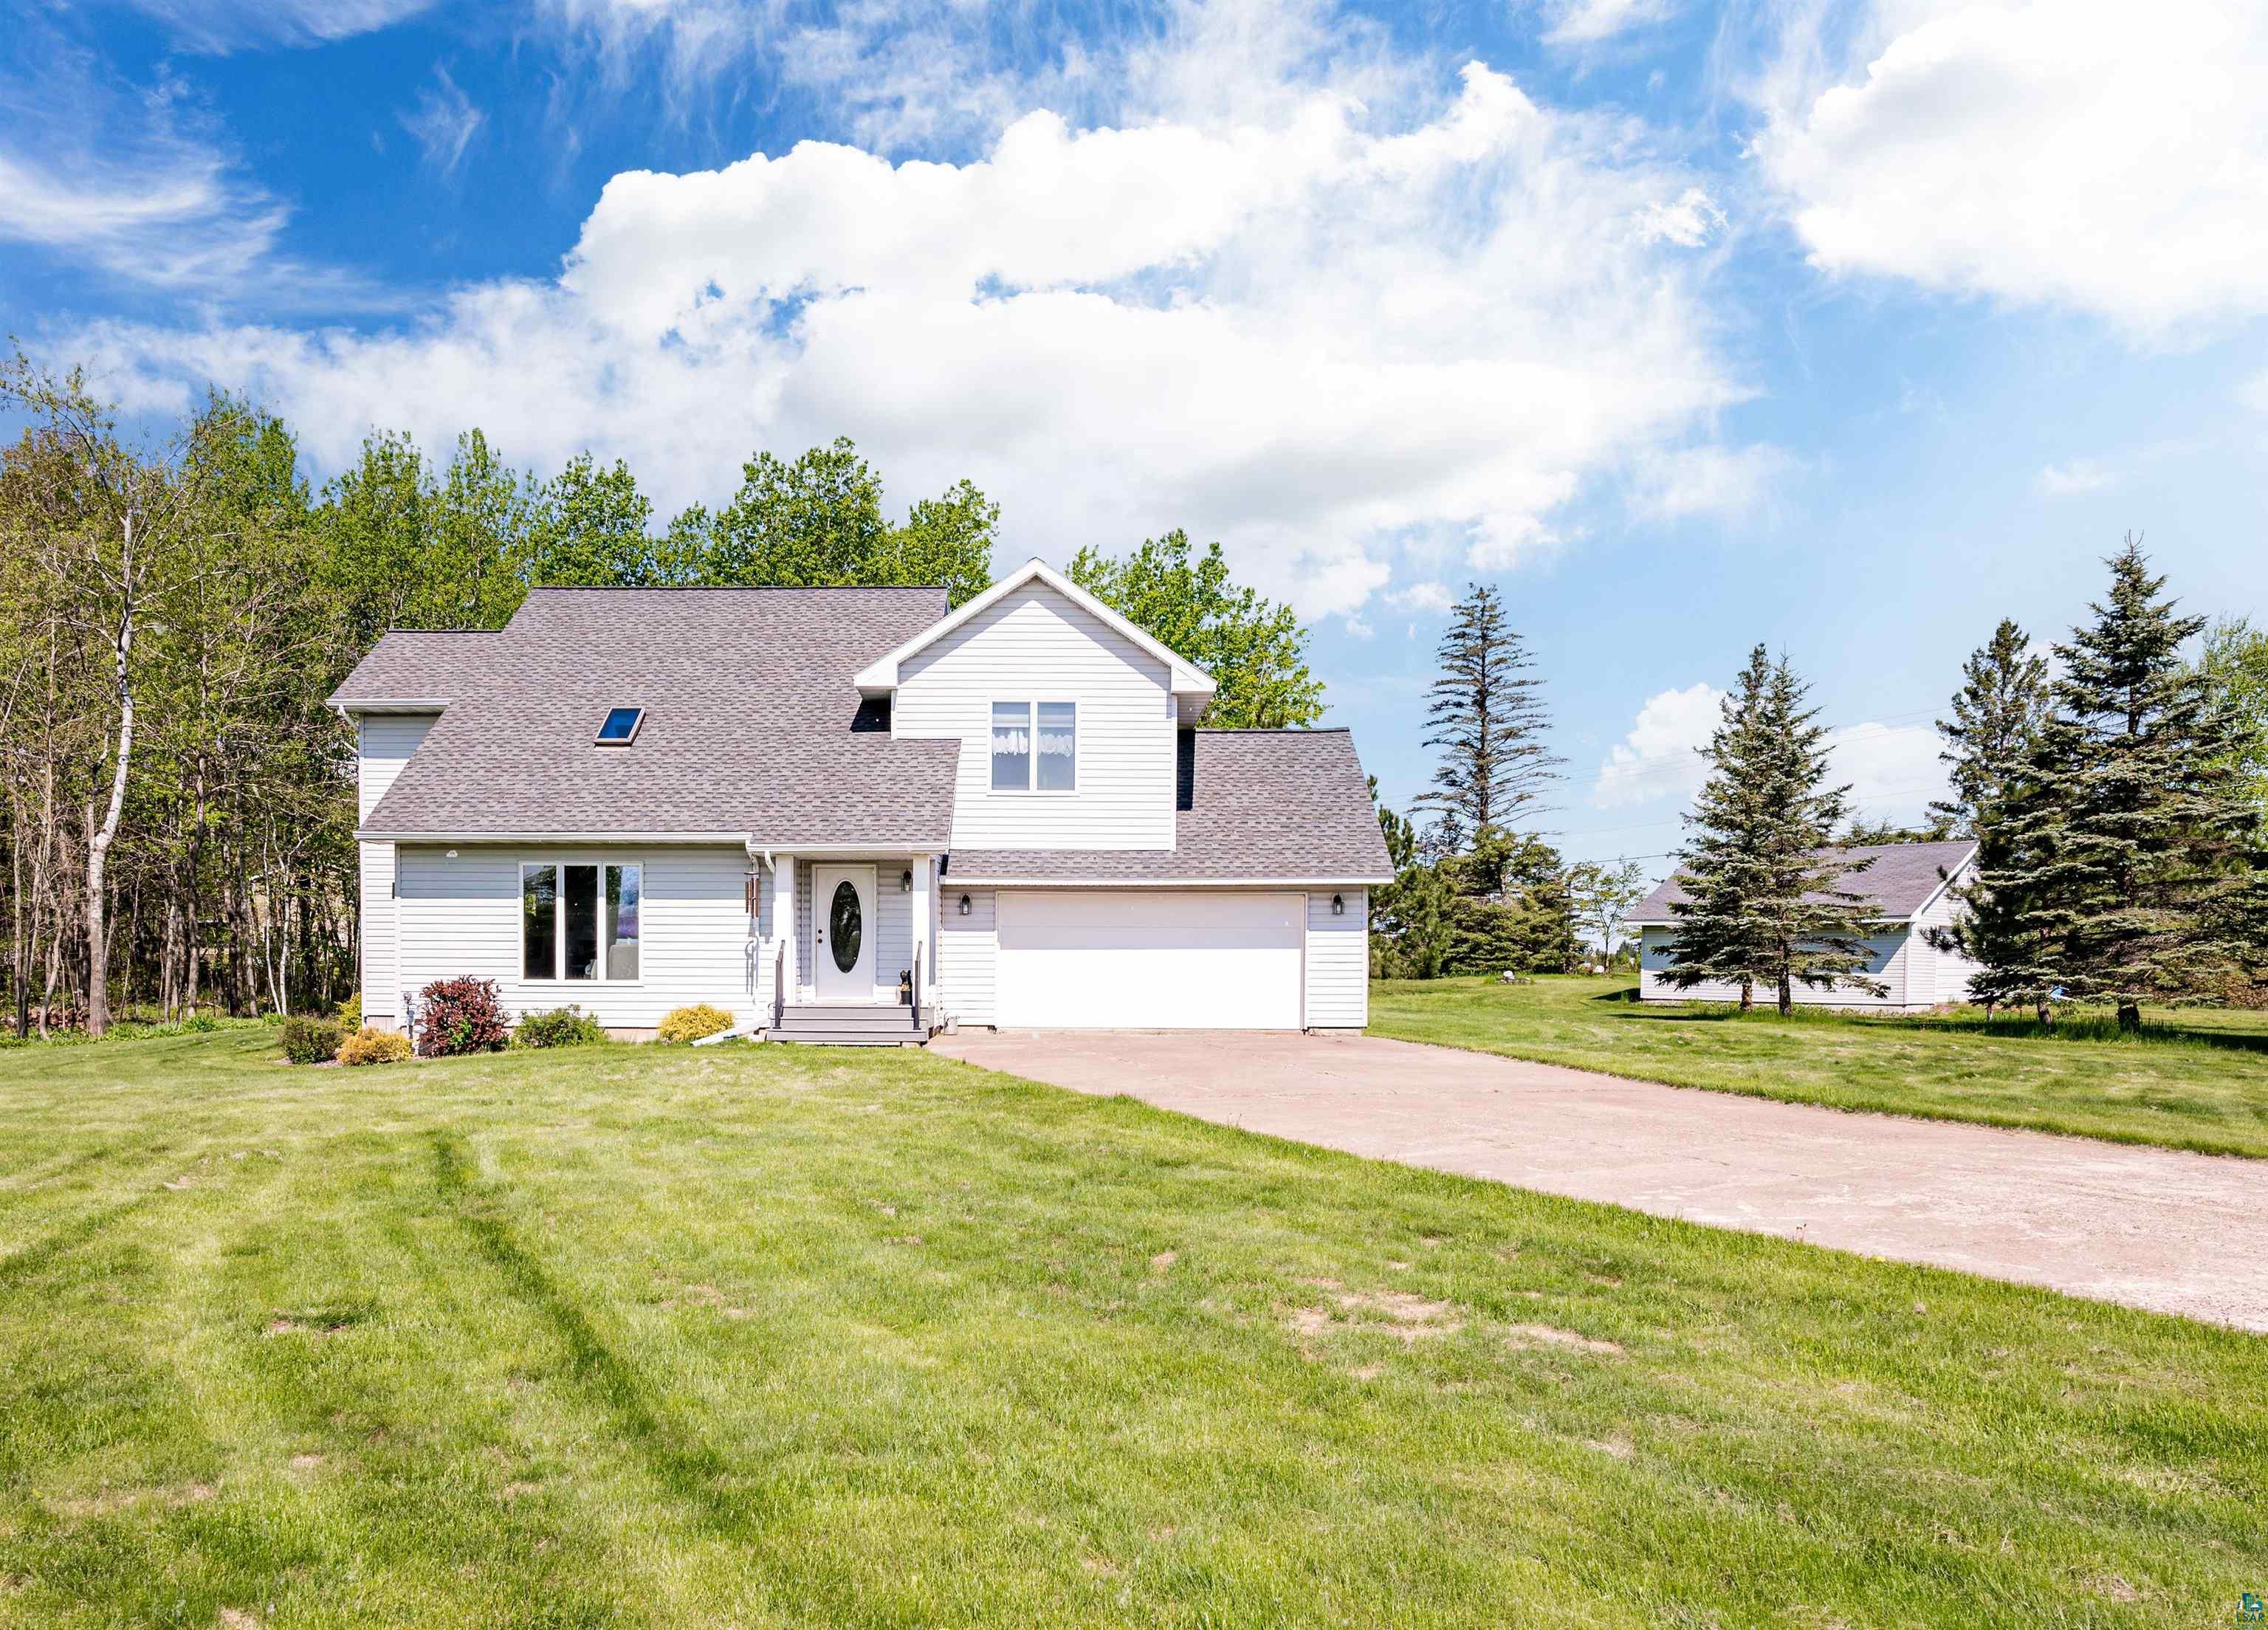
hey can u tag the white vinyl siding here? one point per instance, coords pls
(967, 951)
(1890, 951)
(462, 916)
(1035, 644)
(385, 742)
(1950, 970)
(1338, 961)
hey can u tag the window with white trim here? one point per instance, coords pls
(579, 920)
(1034, 746)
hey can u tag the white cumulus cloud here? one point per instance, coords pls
(1318, 334)
(1892, 769)
(1659, 759)
(2096, 154)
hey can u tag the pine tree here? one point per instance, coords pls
(1489, 719)
(1764, 904)
(1995, 732)
(1996, 715)
(2143, 882)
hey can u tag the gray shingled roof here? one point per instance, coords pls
(1900, 882)
(1254, 804)
(751, 722)
(419, 664)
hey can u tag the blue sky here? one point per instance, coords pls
(1846, 327)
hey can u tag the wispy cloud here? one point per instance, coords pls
(1422, 596)
(1690, 220)
(139, 185)
(223, 26)
(2073, 480)
(443, 122)
(1588, 22)
(1674, 485)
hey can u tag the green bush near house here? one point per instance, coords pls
(692, 1024)
(307, 1040)
(562, 1027)
(351, 1011)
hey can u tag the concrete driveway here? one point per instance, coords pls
(2153, 1228)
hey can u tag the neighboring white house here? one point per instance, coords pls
(1909, 887)
(797, 803)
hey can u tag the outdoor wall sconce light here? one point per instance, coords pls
(1339, 905)
(905, 882)
(964, 905)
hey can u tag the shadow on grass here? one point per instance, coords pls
(682, 1462)
(36, 1257)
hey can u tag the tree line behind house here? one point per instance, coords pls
(2117, 796)
(176, 800)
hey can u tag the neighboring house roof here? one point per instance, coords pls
(753, 723)
(418, 670)
(1277, 807)
(1904, 878)
(879, 678)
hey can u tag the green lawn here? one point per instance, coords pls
(754, 1337)
(2196, 1079)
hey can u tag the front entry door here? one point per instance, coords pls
(842, 933)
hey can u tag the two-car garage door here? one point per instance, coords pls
(1150, 960)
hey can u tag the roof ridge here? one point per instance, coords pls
(725, 588)
(1272, 729)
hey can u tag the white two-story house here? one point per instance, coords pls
(849, 813)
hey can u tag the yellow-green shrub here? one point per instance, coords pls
(351, 1011)
(692, 1024)
(374, 1046)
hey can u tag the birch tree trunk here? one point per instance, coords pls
(99, 840)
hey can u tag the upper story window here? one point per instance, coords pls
(579, 922)
(1034, 746)
(620, 727)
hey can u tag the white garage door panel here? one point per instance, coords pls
(1150, 961)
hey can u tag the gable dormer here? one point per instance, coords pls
(1066, 712)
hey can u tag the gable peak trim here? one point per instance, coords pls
(879, 676)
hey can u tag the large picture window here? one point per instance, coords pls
(579, 921)
(1034, 746)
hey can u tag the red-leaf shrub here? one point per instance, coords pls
(459, 1015)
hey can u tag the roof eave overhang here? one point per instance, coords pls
(954, 880)
(879, 676)
(390, 704)
(756, 842)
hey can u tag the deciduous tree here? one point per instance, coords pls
(1254, 648)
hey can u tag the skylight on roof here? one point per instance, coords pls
(621, 724)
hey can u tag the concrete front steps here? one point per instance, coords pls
(870, 1024)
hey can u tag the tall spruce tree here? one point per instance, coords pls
(2137, 843)
(1764, 904)
(1996, 715)
(1488, 717)
(1995, 733)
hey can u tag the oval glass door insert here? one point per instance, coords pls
(845, 926)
